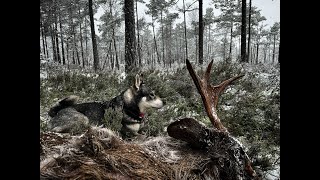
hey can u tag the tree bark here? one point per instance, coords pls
(138, 36)
(130, 47)
(170, 45)
(46, 44)
(114, 39)
(185, 29)
(249, 33)
(75, 46)
(265, 54)
(200, 33)
(111, 55)
(42, 36)
(230, 49)
(224, 46)
(61, 39)
(67, 52)
(57, 39)
(274, 48)
(257, 56)
(162, 37)
(86, 40)
(155, 42)
(243, 32)
(54, 55)
(115, 49)
(279, 54)
(93, 37)
(81, 44)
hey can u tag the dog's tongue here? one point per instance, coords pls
(141, 115)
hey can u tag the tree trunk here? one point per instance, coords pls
(149, 58)
(224, 46)
(130, 53)
(170, 46)
(230, 49)
(185, 29)
(265, 54)
(93, 37)
(209, 41)
(73, 57)
(111, 55)
(42, 37)
(54, 55)
(197, 45)
(86, 40)
(61, 39)
(69, 38)
(155, 41)
(57, 39)
(200, 33)
(252, 54)
(138, 35)
(46, 44)
(249, 33)
(279, 54)
(81, 45)
(162, 37)
(257, 53)
(114, 40)
(274, 48)
(177, 57)
(75, 46)
(115, 49)
(243, 31)
(67, 52)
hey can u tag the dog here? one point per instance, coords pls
(68, 116)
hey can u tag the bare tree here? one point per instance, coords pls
(249, 29)
(93, 37)
(243, 31)
(200, 33)
(130, 47)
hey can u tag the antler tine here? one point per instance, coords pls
(221, 87)
(207, 74)
(209, 93)
(193, 75)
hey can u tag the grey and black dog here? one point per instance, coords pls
(71, 117)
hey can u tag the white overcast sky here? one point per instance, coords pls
(269, 8)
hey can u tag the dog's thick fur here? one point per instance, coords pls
(68, 116)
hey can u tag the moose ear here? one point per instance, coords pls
(138, 81)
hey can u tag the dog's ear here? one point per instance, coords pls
(138, 81)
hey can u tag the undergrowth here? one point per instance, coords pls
(249, 108)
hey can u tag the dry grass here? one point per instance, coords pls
(101, 154)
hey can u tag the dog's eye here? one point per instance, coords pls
(152, 95)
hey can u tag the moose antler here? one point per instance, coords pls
(216, 141)
(210, 93)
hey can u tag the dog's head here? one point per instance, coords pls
(139, 97)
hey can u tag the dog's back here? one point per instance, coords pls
(68, 116)
(64, 103)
